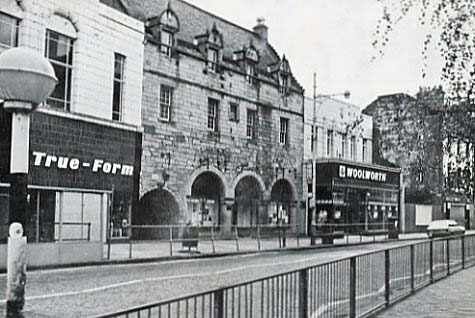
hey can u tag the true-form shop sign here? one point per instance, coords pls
(97, 165)
(361, 174)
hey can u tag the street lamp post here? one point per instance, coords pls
(26, 80)
(345, 94)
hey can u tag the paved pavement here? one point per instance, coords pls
(452, 297)
(87, 291)
(162, 249)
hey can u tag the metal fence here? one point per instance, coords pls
(168, 240)
(352, 287)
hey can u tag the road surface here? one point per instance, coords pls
(87, 291)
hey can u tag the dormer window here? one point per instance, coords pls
(166, 42)
(213, 59)
(248, 58)
(281, 73)
(163, 28)
(283, 84)
(251, 73)
(210, 45)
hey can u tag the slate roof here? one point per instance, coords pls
(195, 21)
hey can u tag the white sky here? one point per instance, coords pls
(333, 38)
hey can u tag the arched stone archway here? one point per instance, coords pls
(206, 200)
(156, 207)
(248, 202)
(198, 172)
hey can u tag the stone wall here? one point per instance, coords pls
(184, 147)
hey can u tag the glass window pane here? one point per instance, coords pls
(4, 211)
(47, 215)
(59, 50)
(8, 30)
(92, 217)
(71, 216)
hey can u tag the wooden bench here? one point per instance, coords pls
(327, 238)
(189, 243)
(190, 238)
(373, 233)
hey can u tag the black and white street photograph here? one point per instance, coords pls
(237, 158)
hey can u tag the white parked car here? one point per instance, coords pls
(444, 228)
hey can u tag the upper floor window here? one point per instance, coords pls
(166, 98)
(329, 142)
(251, 74)
(233, 112)
(213, 59)
(343, 145)
(313, 138)
(118, 87)
(213, 111)
(59, 51)
(283, 84)
(166, 42)
(365, 149)
(251, 127)
(284, 131)
(353, 148)
(8, 31)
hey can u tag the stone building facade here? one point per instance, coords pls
(223, 123)
(408, 133)
(85, 140)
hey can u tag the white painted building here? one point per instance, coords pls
(92, 118)
(96, 34)
(343, 132)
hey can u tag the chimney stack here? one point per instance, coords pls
(261, 29)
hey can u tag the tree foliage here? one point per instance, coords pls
(450, 25)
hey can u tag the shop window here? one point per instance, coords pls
(8, 31)
(64, 216)
(251, 127)
(213, 111)
(166, 100)
(59, 51)
(234, 112)
(284, 131)
(4, 211)
(118, 87)
(44, 212)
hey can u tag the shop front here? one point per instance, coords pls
(362, 196)
(83, 183)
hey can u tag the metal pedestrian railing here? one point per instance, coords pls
(170, 240)
(357, 286)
